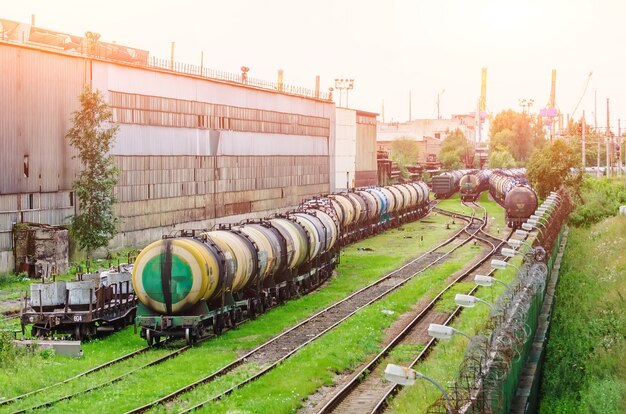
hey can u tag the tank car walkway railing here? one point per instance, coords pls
(289, 342)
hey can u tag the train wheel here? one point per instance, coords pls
(149, 337)
(189, 336)
(218, 324)
(238, 316)
(251, 308)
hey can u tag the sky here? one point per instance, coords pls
(390, 48)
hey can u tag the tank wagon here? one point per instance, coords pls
(92, 304)
(474, 183)
(511, 190)
(447, 183)
(208, 280)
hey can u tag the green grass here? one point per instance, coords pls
(357, 269)
(50, 369)
(454, 204)
(585, 368)
(497, 223)
(343, 349)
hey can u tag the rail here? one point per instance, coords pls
(360, 379)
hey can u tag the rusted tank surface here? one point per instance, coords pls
(172, 275)
(241, 256)
(520, 202)
(296, 238)
(359, 207)
(391, 199)
(315, 231)
(267, 251)
(402, 200)
(347, 208)
(370, 202)
(381, 200)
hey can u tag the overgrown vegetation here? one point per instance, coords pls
(358, 338)
(600, 198)
(585, 368)
(552, 167)
(517, 133)
(404, 151)
(93, 136)
(455, 151)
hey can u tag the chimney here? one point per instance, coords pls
(317, 86)
(280, 79)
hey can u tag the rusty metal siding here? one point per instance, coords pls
(38, 103)
(159, 191)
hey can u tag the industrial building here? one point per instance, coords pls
(429, 134)
(193, 144)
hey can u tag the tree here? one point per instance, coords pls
(501, 158)
(93, 136)
(552, 167)
(520, 133)
(404, 151)
(455, 150)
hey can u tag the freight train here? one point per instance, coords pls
(208, 280)
(92, 304)
(511, 190)
(446, 184)
(474, 183)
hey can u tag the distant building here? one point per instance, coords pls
(429, 133)
(355, 154)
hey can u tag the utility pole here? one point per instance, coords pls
(584, 155)
(609, 160)
(438, 100)
(595, 128)
(409, 106)
(619, 140)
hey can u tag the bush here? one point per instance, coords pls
(8, 351)
(601, 198)
(8, 278)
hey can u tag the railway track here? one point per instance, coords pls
(367, 391)
(118, 378)
(279, 348)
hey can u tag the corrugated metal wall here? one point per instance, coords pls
(38, 93)
(168, 175)
(159, 191)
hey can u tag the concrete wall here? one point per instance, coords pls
(345, 156)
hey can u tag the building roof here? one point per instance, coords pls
(27, 35)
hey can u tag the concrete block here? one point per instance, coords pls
(51, 294)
